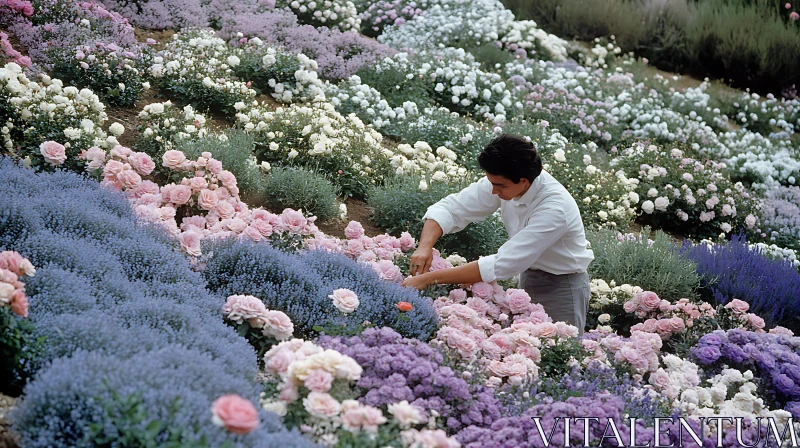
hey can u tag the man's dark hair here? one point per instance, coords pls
(512, 157)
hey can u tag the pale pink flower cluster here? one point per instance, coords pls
(206, 186)
(428, 438)
(644, 304)
(379, 251)
(406, 414)
(122, 168)
(673, 318)
(640, 351)
(12, 289)
(272, 323)
(302, 363)
(499, 328)
(357, 417)
(738, 309)
(54, 153)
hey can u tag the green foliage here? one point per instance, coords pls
(400, 205)
(655, 266)
(121, 427)
(395, 87)
(557, 360)
(490, 55)
(17, 346)
(299, 188)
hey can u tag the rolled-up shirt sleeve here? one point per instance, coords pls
(456, 211)
(545, 227)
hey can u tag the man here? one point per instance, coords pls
(547, 242)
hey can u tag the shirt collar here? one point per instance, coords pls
(527, 198)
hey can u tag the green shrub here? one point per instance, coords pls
(17, 346)
(299, 188)
(655, 266)
(400, 205)
(235, 151)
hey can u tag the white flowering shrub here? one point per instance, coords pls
(398, 80)
(163, 125)
(776, 252)
(678, 191)
(318, 137)
(766, 115)
(330, 13)
(288, 77)
(46, 110)
(420, 158)
(525, 38)
(197, 67)
(352, 96)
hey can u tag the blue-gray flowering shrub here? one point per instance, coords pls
(299, 284)
(122, 312)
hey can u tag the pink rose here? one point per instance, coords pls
(130, 179)
(439, 264)
(676, 325)
(755, 321)
(54, 153)
(252, 233)
(387, 270)
(207, 200)
(649, 300)
(262, 226)
(738, 306)
(518, 300)
(545, 330)
(198, 184)
(319, 381)
(19, 303)
(344, 300)
(173, 159)
(407, 242)
(215, 166)
(367, 256)
(235, 413)
(227, 178)
(180, 194)
(225, 210)
(235, 225)
(239, 308)
(462, 343)
(142, 163)
(293, 221)
(458, 295)
(663, 326)
(278, 325)
(482, 290)
(11, 260)
(354, 230)
(321, 405)
(280, 361)
(190, 242)
(660, 379)
(289, 394)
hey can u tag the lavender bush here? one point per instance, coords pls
(121, 312)
(775, 357)
(161, 14)
(338, 54)
(299, 285)
(735, 271)
(396, 369)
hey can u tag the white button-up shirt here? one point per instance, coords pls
(544, 225)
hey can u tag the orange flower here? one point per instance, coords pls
(404, 306)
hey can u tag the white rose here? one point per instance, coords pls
(233, 61)
(278, 407)
(423, 185)
(344, 300)
(117, 129)
(604, 318)
(661, 203)
(648, 206)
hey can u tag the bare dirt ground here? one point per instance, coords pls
(8, 439)
(356, 211)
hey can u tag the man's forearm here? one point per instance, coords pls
(468, 273)
(431, 231)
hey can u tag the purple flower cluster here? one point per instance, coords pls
(397, 369)
(338, 54)
(161, 14)
(735, 271)
(512, 432)
(780, 217)
(775, 356)
(384, 13)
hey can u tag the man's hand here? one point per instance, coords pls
(418, 281)
(421, 261)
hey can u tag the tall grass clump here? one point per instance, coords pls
(300, 188)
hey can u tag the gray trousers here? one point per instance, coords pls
(564, 297)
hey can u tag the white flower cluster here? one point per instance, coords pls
(39, 111)
(315, 130)
(782, 113)
(777, 252)
(164, 124)
(604, 294)
(420, 158)
(195, 60)
(330, 13)
(351, 96)
(525, 35)
(715, 400)
(292, 76)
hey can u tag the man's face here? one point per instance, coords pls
(505, 189)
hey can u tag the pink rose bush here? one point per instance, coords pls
(234, 413)
(502, 330)
(207, 197)
(7, 52)
(243, 308)
(12, 290)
